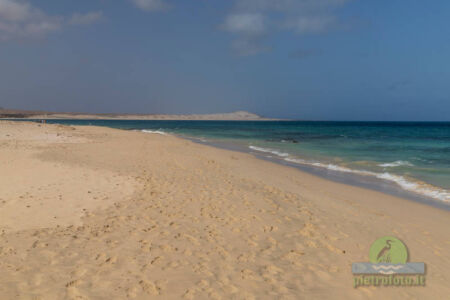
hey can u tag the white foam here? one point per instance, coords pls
(154, 131)
(397, 163)
(329, 166)
(417, 187)
(409, 185)
(267, 150)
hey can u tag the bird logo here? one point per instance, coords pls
(388, 256)
(384, 256)
(388, 250)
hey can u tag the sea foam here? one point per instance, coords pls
(154, 131)
(267, 150)
(397, 163)
(406, 184)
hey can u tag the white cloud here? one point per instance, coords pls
(21, 20)
(250, 29)
(260, 18)
(311, 24)
(151, 5)
(248, 24)
(86, 19)
(15, 11)
(292, 6)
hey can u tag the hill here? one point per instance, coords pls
(26, 114)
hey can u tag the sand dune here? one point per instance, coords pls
(233, 116)
(98, 213)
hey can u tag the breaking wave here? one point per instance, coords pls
(397, 163)
(406, 184)
(155, 131)
(267, 150)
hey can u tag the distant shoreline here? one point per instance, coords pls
(234, 116)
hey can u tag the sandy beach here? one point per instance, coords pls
(99, 213)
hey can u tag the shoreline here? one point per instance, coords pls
(389, 183)
(30, 115)
(368, 182)
(196, 222)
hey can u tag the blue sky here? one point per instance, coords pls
(305, 59)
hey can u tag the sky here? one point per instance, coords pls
(299, 59)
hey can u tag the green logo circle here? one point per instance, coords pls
(388, 249)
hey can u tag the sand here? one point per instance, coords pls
(99, 213)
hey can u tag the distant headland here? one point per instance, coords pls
(27, 114)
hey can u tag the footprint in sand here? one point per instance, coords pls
(190, 294)
(150, 288)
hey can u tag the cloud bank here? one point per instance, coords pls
(151, 5)
(252, 20)
(21, 20)
(86, 19)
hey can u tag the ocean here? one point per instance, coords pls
(411, 156)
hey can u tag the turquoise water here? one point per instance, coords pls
(415, 156)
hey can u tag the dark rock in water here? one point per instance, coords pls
(289, 140)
